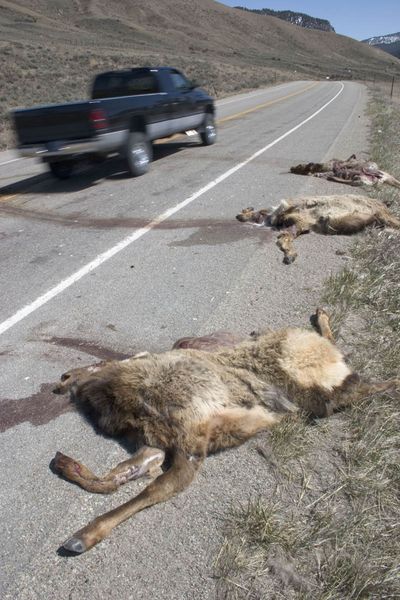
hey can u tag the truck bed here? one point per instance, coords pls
(53, 122)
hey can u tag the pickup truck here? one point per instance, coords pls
(128, 109)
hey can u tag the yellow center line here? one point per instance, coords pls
(7, 198)
(219, 122)
(244, 112)
(265, 104)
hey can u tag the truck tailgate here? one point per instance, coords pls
(55, 122)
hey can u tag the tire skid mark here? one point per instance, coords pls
(90, 348)
(77, 221)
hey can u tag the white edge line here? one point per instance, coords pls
(101, 258)
(11, 161)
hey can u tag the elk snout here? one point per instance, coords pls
(64, 385)
(75, 376)
(289, 258)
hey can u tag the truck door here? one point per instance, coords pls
(186, 113)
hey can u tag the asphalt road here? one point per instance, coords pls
(104, 266)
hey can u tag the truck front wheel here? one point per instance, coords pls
(208, 132)
(138, 154)
(61, 169)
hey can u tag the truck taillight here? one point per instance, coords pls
(98, 119)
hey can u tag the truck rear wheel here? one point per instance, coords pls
(208, 131)
(61, 169)
(138, 154)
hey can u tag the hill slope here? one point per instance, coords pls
(50, 49)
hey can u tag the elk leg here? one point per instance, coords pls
(390, 180)
(355, 390)
(285, 243)
(385, 218)
(146, 461)
(346, 225)
(296, 226)
(380, 386)
(177, 478)
(353, 182)
(236, 425)
(322, 324)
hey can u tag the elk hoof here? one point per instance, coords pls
(60, 460)
(288, 260)
(66, 466)
(75, 545)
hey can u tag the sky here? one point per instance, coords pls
(359, 19)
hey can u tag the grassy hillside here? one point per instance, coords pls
(50, 50)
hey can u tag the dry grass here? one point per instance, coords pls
(331, 528)
(290, 439)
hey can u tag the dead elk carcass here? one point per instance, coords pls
(185, 404)
(351, 172)
(329, 215)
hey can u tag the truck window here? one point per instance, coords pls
(111, 85)
(180, 82)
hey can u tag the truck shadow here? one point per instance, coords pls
(89, 173)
